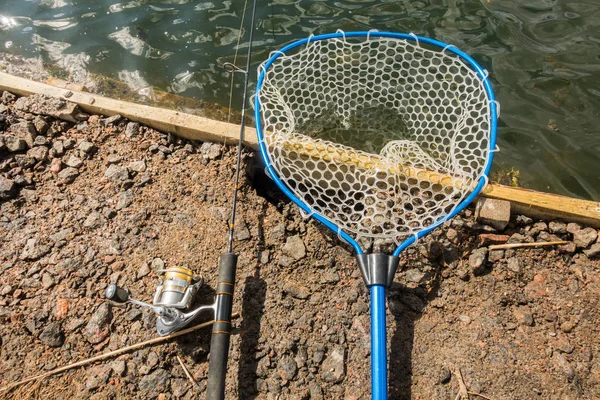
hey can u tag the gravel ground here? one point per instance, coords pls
(92, 201)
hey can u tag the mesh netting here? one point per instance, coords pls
(382, 136)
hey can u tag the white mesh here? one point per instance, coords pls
(382, 136)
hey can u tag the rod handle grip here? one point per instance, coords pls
(221, 331)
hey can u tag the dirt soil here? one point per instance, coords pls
(103, 200)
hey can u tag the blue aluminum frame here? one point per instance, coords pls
(377, 292)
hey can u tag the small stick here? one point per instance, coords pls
(480, 395)
(519, 245)
(187, 372)
(109, 354)
(462, 388)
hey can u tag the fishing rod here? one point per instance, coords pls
(178, 287)
(221, 332)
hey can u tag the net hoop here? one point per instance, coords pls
(481, 73)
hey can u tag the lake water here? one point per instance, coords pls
(544, 57)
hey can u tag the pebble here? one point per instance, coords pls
(137, 166)
(68, 175)
(495, 255)
(93, 221)
(34, 250)
(585, 237)
(445, 375)
(477, 260)
(8, 189)
(567, 326)
(132, 129)
(414, 275)
(514, 265)
(40, 141)
(294, 247)
(157, 264)
(143, 271)
(86, 147)
(116, 173)
(593, 251)
(14, 144)
(287, 368)
(210, 151)
(334, 368)
(47, 281)
(98, 326)
(52, 334)
(74, 162)
(523, 315)
(557, 227)
(573, 227)
(97, 376)
(57, 149)
(110, 120)
(297, 291)
(25, 130)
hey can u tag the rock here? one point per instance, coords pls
(563, 346)
(8, 97)
(573, 227)
(97, 329)
(97, 376)
(333, 368)
(593, 251)
(86, 147)
(47, 281)
(585, 237)
(569, 247)
(52, 335)
(33, 250)
(316, 393)
(110, 120)
(445, 375)
(153, 384)
(74, 162)
(295, 290)
(125, 200)
(113, 159)
(523, 316)
(116, 173)
(241, 232)
(132, 129)
(477, 260)
(157, 264)
(330, 277)
(144, 270)
(40, 153)
(41, 141)
(55, 165)
(562, 364)
(68, 175)
(45, 105)
(40, 124)
(523, 220)
(493, 212)
(433, 250)
(557, 227)
(8, 189)
(567, 326)
(69, 143)
(14, 144)
(118, 367)
(93, 221)
(210, 151)
(495, 255)
(486, 239)
(137, 166)
(277, 234)
(294, 247)
(514, 265)
(24, 130)
(414, 275)
(287, 368)
(57, 149)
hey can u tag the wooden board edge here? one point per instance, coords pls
(528, 202)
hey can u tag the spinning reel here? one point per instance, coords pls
(172, 297)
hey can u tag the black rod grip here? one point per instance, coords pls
(221, 332)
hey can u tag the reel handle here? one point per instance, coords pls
(117, 294)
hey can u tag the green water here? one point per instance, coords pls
(544, 56)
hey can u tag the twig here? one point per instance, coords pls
(518, 245)
(480, 395)
(187, 372)
(109, 354)
(462, 388)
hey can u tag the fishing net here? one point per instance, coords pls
(382, 136)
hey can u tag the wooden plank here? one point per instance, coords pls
(523, 201)
(185, 125)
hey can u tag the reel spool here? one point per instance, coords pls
(176, 289)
